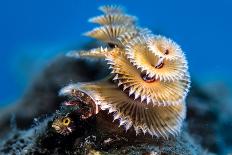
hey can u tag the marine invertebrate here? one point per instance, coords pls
(113, 19)
(63, 125)
(109, 33)
(157, 92)
(156, 120)
(164, 47)
(158, 66)
(149, 77)
(80, 101)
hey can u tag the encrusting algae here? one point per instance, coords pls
(149, 77)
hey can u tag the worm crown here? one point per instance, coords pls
(149, 77)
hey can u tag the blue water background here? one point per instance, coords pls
(32, 32)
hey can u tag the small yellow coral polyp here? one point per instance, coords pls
(63, 125)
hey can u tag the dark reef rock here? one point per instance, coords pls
(205, 124)
(95, 140)
(42, 96)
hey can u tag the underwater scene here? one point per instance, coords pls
(115, 77)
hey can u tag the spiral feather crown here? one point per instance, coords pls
(149, 77)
